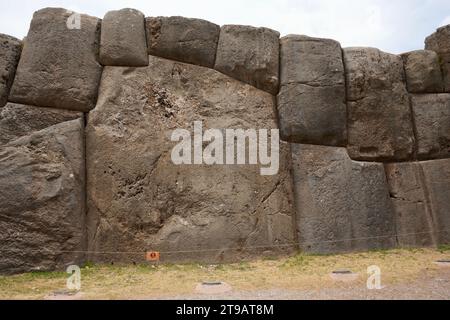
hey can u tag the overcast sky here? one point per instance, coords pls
(392, 25)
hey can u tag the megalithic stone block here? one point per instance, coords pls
(183, 39)
(251, 55)
(10, 49)
(341, 205)
(42, 212)
(379, 116)
(420, 192)
(423, 72)
(17, 120)
(440, 43)
(432, 120)
(210, 212)
(58, 67)
(123, 41)
(311, 103)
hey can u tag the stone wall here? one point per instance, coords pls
(86, 112)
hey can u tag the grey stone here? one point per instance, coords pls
(312, 61)
(42, 200)
(183, 39)
(187, 212)
(123, 41)
(251, 55)
(440, 43)
(342, 205)
(311, 103)
(423, 72)
(432, 120)
(58, 67)
(420, 192)
(379, 117)
(17, 120)
(10, 49)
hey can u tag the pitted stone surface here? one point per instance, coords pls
(183, 39)
(311, 103)
(58, 67)
(18, 120)
(250, 54)
(421, 198)
(440, 43)
(432, 120)
(423, 72)
(123, 41)
(10, 49)
(152, 204)
(341, 205)
(42, 200)
(379, 117)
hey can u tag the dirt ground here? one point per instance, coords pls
(405, 274)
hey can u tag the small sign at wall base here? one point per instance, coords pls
(152, 256)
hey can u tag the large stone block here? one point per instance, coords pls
(123, 41)
(423, 72)
(379, 116)
(311, 103)
(42, 199)
(342, 205)
(17, 120)
(183, 39)
(10, 49)
(440, 43)
(58, 66)
(420, 192)
(249, 54)
(187, 212)
(432, 120)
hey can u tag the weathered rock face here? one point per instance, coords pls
(188, 212)
(42, 196)
(379, 117)
(413, 219)
(440, 43)
(17, 120)
(123, 41)
(183, 39)
(10, 49)
(58, 66)
(421, 197)
(249, 54)
(423, 71)
(311, 103)
(342, 205)
(432, 120)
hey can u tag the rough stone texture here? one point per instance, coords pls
(17, 120)
(440, 43)
(183, 39)
(188, 212)
(42, 199)
(379, 116)
(311, 103)
(249, 54)
(342, 205)
(420, 192)
(432, 120)
(58, 66)
(423, 71)
(10, 49)
(123, 41)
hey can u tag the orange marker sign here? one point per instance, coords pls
(152, 256)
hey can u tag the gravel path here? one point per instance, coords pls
(436, 287)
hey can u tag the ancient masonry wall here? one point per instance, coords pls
(86, 111)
